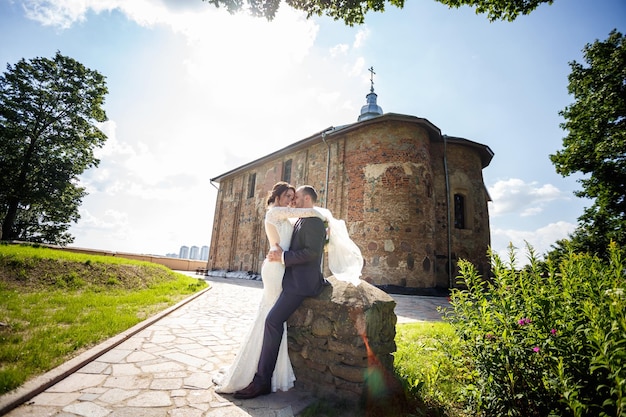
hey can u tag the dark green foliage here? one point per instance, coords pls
(48, 111)
(545, 344)
(595, 145)
(353, 12)
(508, 10)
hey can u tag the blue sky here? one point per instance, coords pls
(195, 92)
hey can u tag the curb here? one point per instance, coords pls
(37, 385)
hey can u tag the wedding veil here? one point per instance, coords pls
(344, 256)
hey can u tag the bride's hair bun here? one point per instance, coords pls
(278, 190)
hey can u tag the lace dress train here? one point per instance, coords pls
(242, 370)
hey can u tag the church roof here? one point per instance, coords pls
(434, 133)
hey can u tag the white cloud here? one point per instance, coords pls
(531, 211)
(340, 49)
(540, 239)
(357, 67)
(112, 146)
(111, 220)
(109, 228)
(526, 198)
(64, 13)
(61, 14)
(361, 36)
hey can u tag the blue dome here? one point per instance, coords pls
(371, 109)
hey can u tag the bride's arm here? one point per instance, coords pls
(276, 213)
(272, 234)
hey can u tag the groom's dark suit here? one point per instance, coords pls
(303, 260)
(303, 278)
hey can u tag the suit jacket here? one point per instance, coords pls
(303, 260)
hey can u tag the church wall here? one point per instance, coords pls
(224, 226)
(387, 181)
(440, 224)
(471, 241)
(389, 197)
(234, 233)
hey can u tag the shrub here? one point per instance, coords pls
(551, 344)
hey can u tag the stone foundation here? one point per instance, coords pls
(342, 339)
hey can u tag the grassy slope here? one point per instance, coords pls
(56, 304)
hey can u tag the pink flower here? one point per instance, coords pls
(524, 321)
(553, 331)
(536, 349)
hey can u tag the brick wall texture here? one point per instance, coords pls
(393, 179)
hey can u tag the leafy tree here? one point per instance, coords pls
(508, 10)
(596, 143)
(353, 11)
(48, 110)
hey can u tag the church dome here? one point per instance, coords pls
(371, 109)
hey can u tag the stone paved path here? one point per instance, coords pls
(164, 368)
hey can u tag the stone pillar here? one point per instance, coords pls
(342, 340)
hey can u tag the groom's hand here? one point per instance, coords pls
(276, 254)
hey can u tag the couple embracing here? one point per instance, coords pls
(290, 273)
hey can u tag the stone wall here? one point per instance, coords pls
(341, 339)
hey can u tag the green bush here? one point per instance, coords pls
(544, 344)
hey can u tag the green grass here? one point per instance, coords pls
(427, 363)
(57, 304)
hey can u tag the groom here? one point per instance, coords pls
(303, 278)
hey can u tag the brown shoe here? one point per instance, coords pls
(253, 390)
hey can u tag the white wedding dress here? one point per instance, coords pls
(278, 229)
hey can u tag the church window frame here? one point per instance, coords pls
(287, 170)
(251, 184)
(460, 211)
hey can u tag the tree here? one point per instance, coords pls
(48, 110)
(595, 144)
(353, 11)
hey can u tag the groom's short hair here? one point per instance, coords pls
(310, 191)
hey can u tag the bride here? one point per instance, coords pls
(345, 261)
(278, 228)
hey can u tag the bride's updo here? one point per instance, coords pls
(279, 189)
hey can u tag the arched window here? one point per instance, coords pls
(287, 171)
(459, 211)
(251, 185)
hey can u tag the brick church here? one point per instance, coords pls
(414, 200)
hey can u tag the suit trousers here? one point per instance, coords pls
(273, 333)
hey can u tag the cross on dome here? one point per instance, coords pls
(371, 109)
(371, 70)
